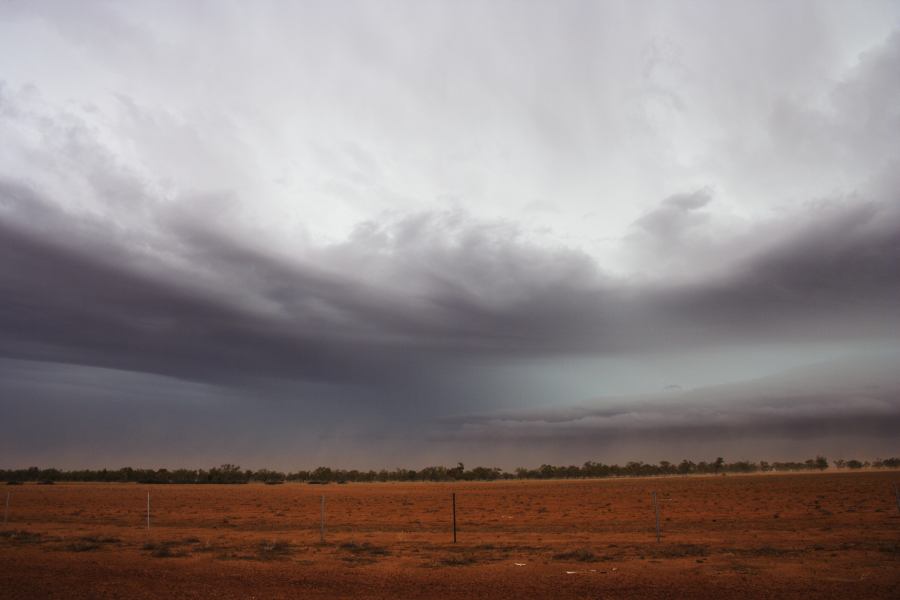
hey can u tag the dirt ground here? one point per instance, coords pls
(831, 535)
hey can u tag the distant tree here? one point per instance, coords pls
(685, 467)
(268, 476)
(742, 466)
(322, 474)
(547, 471)
(227, 473)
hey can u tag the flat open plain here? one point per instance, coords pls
(762, 536)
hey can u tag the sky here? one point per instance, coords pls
(396, 234)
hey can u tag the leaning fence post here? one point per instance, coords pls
(453, 504)
(656, 508)
(322, 521)
(148, 509)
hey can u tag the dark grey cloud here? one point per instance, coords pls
(833, 273)
(425, 290)
(68, 306)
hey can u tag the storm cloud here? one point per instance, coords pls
(166, 237)
(427, 288)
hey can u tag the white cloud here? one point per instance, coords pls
(318, 117)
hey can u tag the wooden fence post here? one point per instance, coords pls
(322, 521)
(453, 503)
(656, 508)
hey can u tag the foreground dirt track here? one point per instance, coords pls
(816, 535)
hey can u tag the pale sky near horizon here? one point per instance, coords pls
(391, 233)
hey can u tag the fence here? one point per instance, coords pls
(444, 513)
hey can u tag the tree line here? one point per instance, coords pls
(229, 473)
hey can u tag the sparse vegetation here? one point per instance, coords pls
(21, 536)
(458, 560)
(274, 549)
(166, 549)
(580, 555)
(82, 546)
(101, 539)
(89, 543)
(364, 548)
(233, 474)
(890, 548)
(680, 551)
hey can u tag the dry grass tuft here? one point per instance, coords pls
(458, 560)
(166, 549)
(364, 548)
(21, 536)
(581, 555)
(679, 551)
(273, 550)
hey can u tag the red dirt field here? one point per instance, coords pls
(831, 535)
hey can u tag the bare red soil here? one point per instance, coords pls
(832, 535)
